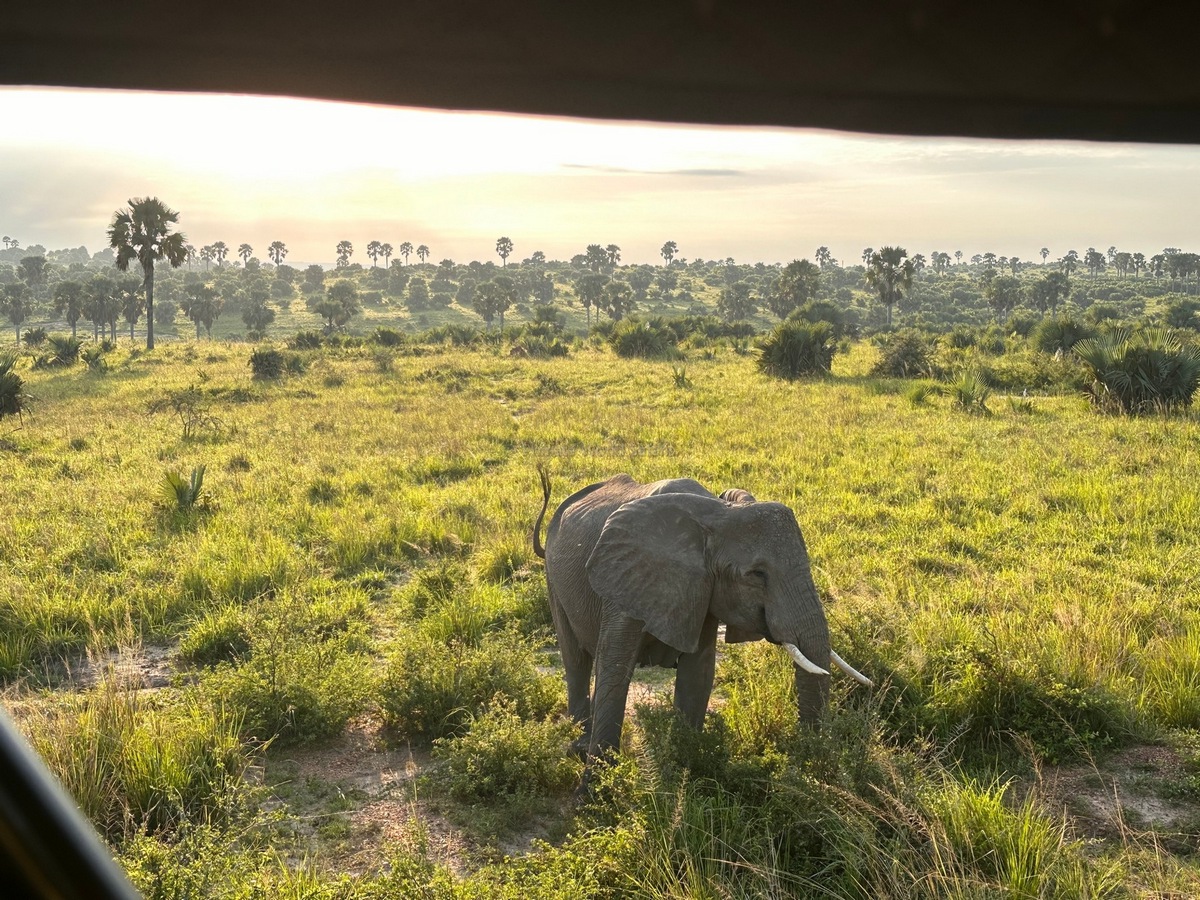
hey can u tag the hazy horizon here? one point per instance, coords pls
(310, 173)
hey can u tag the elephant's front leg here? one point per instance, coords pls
(616, 656)
(694, 676)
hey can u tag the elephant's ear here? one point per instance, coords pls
(650, 564)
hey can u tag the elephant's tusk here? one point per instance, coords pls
(850, 670)
(803, 661)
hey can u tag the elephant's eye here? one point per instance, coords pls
(758, 575)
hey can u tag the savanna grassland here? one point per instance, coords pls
(353, 573)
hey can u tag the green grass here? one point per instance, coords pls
(1020, 586)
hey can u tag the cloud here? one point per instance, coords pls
(685, 173)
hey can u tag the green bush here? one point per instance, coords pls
(797, 348)
(432, 688)
(504, 756)
(34, 337)
(14, 399)
(307, 340)
(1060, 333)
(904, 354)
(1153, 371)
(644, 340)
(64, 351)
(969, 392)
(271, 363)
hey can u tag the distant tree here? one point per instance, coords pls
(206, 254)
(1070, 262)
(220, 251)
(406, 250)
(590, 288)
(1138, 261)
(736, 303)
(257, 315)
(1122, 262)
(418, 294)
(666, 281)
(202, 305)
(617, 299)
(537, 258)
(345, 250)
(510, 293)
(595, 258)
(958, 257)
(101, 303)
(1049, 290)
(337, 306)
(385, 250)
(423, 253)
(465, 295)
(1013, 263)
(487, 301)
(919, 263)
(795, 286)
(1002, 293)
(143, 231)
(640, 278)
(245, 251)
(133, 304)
(504, 247)
(277, 252)
(941, 261)
(68, 302)
(668, 252)
(614, 255)
(824, 258)
(1094, 261)
(7, 241)
(866, 255)
(890, 273)
(314, 278)
(164, 312)
(374, 250)
(34, 271)
(1157, 265)
(1045, 252)
(17, 305)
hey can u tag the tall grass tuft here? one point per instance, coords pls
(797, 348)
(135, 766)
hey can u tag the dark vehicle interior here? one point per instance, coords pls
(1101, 71)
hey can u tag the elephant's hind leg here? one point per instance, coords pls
(577, 669)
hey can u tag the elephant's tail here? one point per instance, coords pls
(537, 526)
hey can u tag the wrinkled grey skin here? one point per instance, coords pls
(641, 574)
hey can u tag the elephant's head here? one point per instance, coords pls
(670, 560)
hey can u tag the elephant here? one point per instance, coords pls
(642, 574)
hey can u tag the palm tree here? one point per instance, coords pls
(385, 250)
(7, 241)
(143, 232)
(614, 254)
(958, 257)
(68, 302)
(220, 251)
(504, 246)
(344, 251)
(1045, 252)
(374, 250)
(422, 253)
(406, 250)
(669, 251)
(823, 257)
(277, 251)
(890, 272)
(245, 251)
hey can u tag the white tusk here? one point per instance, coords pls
(850, 670)
(803, 661)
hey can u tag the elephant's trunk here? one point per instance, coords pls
(800, 627)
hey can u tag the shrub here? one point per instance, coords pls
(796, 348)
(645, 340)
(64, 351)
(969, 392)
(905, 354)
(182, 495)
(432, 689)
(504, 756)
(34, 337)
(14, 399)
(307, 340)
(388, 337)
(94, 358)
(1060, 333)
(1150, 372)
(272, 363)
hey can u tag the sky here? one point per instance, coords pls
(311, 173)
